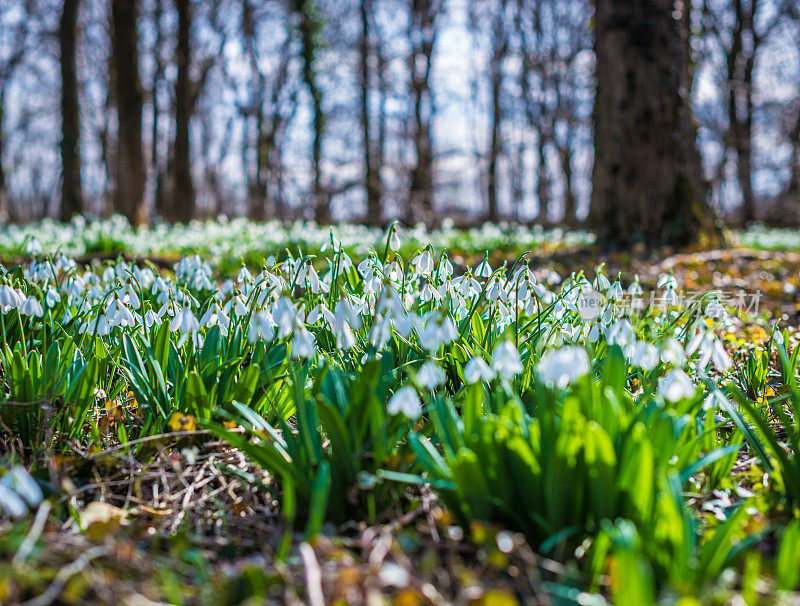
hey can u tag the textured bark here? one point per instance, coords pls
(158, 78)
(71, 190)
(183, 197)
(499, 51)
(372, 181)
(740, 61)
(422, 34)
(131, 171)
(309, 29)
(4, 206)
(646, 184)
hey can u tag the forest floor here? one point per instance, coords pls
(180, 522)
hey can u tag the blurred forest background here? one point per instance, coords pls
(367, 110)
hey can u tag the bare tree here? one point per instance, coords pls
(500, 47)
(368, 56)
(183, 192)
(422, 35)
(647, 184)
(131, 172)
(71, 190)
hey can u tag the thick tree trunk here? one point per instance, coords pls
(183, 195)
(372, 184)
(4, 206)
(542, 180)
(130, 162)
(158, 78)
(422, 35)
(71, 191)
(647, 185)
(570, 203)
(500, 44)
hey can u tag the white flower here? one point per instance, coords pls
(562, 366)
(484, 270)
(186, 323)
(151, 318)
(215, 316)
(672, 352)
(477, 370)
(506, 361)
(31, 307)
(714, 400)
(675, 385)
(405, 401)
(262, 326)
(430, 375)
(303, 344)
(644, 355)
(394, 241)
(423, 262)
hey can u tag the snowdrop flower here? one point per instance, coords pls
(672, 352)
(506, 361)
(477, 370)
(151, 318)
(484, 270)
(119, 315)
(20, 481)
(615, 293)
(675, 385)
(430, 375)
(380, 332)
(52, 297)
(710, 349)
(423, 262)
(215, 316)
(285, 316)
(186, 323)
(405, 401)
(394, 241)
(262, 327)
(601, 282)
(428, 292)
(10, 298)
(562, 366)
(244, 276)
(31, 307)
(714, 400)
(436, 332)
(445, 268)
(644, 355)
(343, 333)
(303, 343)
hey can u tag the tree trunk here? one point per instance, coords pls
(542, 180)
(422, 36)
(5, 211)
(183, 196)
(130, 162)
(372, 184)
(500, 48)
(570, 204)
(158, 78)
(647, 185)
(71, 191)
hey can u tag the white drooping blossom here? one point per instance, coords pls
(405, 401)
(675, 385)
(506, 361)
(562, 366)
(430, 375)
(477, 370)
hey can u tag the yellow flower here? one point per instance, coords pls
(114, 411)
(182, 422)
